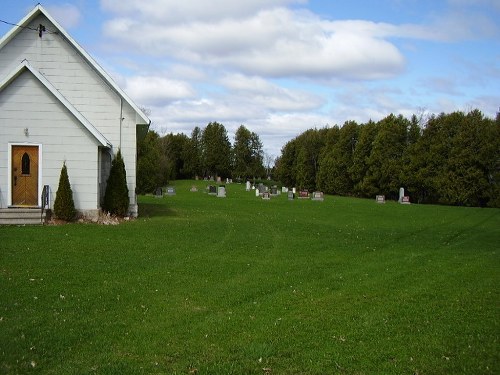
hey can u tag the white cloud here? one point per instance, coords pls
(274, 42)
(157, 90)
(175, 11)
(260, 93)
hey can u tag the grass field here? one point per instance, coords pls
(238, 285)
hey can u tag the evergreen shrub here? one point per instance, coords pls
(64, 206)
(116, 200)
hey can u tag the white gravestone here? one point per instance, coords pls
(221, 192)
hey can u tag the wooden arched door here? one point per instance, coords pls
(24, 175)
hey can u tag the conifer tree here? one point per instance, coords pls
(116, 200)
(64, 206)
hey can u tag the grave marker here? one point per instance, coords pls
(212, 189)
(318, 196)
(159, 192)
(303, 194)
(291, 195)
(221, 192)
(380, 199)
(170, 190)
(266, 195)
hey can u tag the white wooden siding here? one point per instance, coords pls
(63, 138)
(74, 78)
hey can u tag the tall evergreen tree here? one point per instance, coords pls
(216, 150)
(192, 154)
(333, 174)
(150, 164)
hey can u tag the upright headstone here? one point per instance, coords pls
(193, 189)
(303, 194)
(318, 196)
(257, 193)
(291, 195)
(212, 190)
(221, 192)
(405, 200)
(170, 190)
(294, 190)
(266, 195)
(274, 190)
(248, 187)
(401, 194)
(380, 199)
(158, 192)
(284, 190)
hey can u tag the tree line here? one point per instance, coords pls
(206, 153)
(449, 159)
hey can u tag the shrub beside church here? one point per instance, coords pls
(116, 199)
(64, 205)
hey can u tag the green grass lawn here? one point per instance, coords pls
(239, 285)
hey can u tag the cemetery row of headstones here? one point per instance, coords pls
(265, 192)
(403, 199)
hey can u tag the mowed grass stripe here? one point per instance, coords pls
(236, 285)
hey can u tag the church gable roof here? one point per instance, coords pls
(39, 10)
(25, 66)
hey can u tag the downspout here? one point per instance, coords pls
(121, 121)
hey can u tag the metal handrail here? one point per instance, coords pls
(45, 199)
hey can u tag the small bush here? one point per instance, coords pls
(116, 200)
(64, 206)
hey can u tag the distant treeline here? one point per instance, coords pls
(207, 153)
(449, 159)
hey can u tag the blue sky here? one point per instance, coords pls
(280, 67)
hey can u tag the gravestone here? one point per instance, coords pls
(405, 200)
(212, 190)
(219, 179)
(318, 196)
(257, 193)
(303, 194)
(274, 190)
(380, 199)
(221, 192)
(248, 187)
(401, 195)
(266, 195)
(294, 190)
(284, 190)
(158, 192)
(194, 189)
(291, 195)
(170, 190)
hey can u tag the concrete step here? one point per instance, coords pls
(21, 216)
